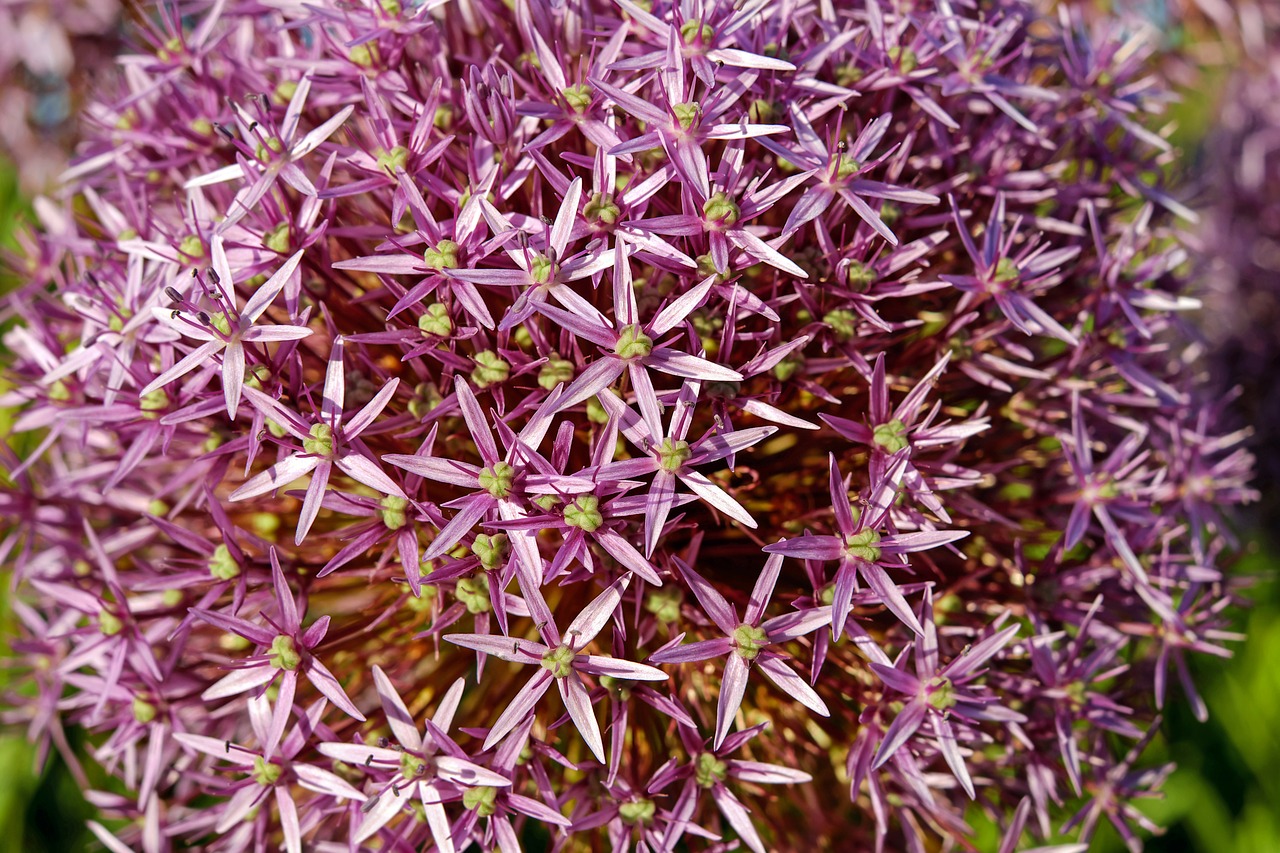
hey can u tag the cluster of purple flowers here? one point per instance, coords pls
(799, 389)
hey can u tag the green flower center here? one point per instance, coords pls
(559, 661)
(442, 256)
(284, 654)
(637, 813)
(412, 767)
(425, 399)
(396, 158)
(482, 801)
(192, 246)
(490, 369)
(941, 693)
(264, 773)
(859, 275)
(891, 436)
(863, 545)
(436, 321)
(686, 113)
(221, 322)
(843, 323)
(474, 594)
(222, 565)
(691, 31)
(491, 550)
(673, 454)
(1006, 271)
(846, 166)
(319, 441)
(578, 97)
(363, 55)
(278, 239)
(556, 371)
(584, 513)
(788, 367)
(391, 510)
(708, 770)
(664, 603)
(603, 209)
(541, 268)
(904, 57)
(761, 110)
(497, 479)
(721, 210)
(154, 403)
(748, 640)
(633, 343)
(109, 623)
(143, 711)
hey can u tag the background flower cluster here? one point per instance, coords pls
(799, 390)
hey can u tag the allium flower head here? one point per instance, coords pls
(800, 390)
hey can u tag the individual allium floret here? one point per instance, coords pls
(224, 329)
(746, 644)
(861, 548)
(290, 652)
(561, 659)
(429, 765)
(332, 441)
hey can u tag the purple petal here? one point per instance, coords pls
(720, 611)
(733, 684)
(398, 716)
(618, 668)
(791, 684)
(277, 476)
(578, 702)
(591, 621)
(899, 732)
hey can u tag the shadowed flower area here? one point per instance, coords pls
(811, 393)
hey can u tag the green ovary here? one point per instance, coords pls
(222, 565)
(474, 594)
(633, 343)
(559, 661)
(482, 801)
(443, 256)
(436, 321)
(319, 441)
(639, 812)
(602, 208)
(708, 770)
(497, 479)
(284, 654)
(578, 97)
(392, 512)
(672, 455)
(891, 436)
(721, 210)
(584, 513)
(748, 640)
(491, 369)
(863, 545)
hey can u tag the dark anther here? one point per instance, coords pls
(213, 274)
(205, 319)
(173, 294)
